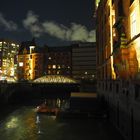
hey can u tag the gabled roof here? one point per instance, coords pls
(26, 45)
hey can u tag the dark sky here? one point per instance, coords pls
(51, 22)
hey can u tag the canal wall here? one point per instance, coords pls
(122, 99)
(16, 93)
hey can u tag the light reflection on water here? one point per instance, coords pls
(25, 124)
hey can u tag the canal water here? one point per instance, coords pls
(25, 124)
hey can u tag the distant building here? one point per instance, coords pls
(59, 61)
(84, 61)
(30, 61)
(8, 58)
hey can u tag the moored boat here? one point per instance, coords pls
(44, 108)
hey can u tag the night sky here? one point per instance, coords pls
(52, 22)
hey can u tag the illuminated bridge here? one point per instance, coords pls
(49, 86)
(55, 79)
(55, 86)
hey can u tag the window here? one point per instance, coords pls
(49, 66)
(58, 72)
(54, 66)
(21, 64)
(49, 72)
(32, 49)
(59, 67)
(133, 24)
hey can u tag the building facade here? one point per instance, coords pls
(59, 61)
(118, 39)
(118, 63)
(84, 61)
(30, 61)
(8, 57)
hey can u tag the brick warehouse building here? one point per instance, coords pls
(30, 61)
(118, 62)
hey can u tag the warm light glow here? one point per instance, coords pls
(49, 66)
(137, 47)
(86, 72)
(31, 49)
(58, 72)
(13, 44)
(13, 123)
(112, 32)
(133, 24)
(59, 67)
(54, 66)
(97, 3)
(49, 58)
(12, 72)
(21, 64)
(54, 79)
(135, 19)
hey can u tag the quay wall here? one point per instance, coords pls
(122, 99)
(26, 92)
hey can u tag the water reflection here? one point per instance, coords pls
(25, 124)
(38, 124)
(12, 123)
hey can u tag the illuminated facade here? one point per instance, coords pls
(30, 61)
(8, 58)
(59, 61)
(118, 38)
(118, 63)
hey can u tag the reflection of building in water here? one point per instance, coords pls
(59, 103)
(37, 119)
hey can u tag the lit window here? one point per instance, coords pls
(21, 64)
(59, 67)
(49, 72)
(13, 44)
(133, 24)
(49, 58)
(32, 49)
(49, 66)
(86, 72)
(54, 66)
(58, 72)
